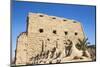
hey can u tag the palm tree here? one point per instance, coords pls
(82, 45)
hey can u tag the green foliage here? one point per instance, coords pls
(82, 45)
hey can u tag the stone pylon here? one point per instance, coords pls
(43, 34)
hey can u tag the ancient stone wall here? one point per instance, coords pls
(21, 50)
(44, 33)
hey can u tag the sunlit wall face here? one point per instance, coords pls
(84, 14)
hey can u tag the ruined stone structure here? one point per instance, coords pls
(49, 39)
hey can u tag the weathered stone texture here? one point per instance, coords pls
(44, 33)
(21, 49)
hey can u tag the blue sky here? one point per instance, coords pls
(84, 14)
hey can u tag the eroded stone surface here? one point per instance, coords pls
(49, 39)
